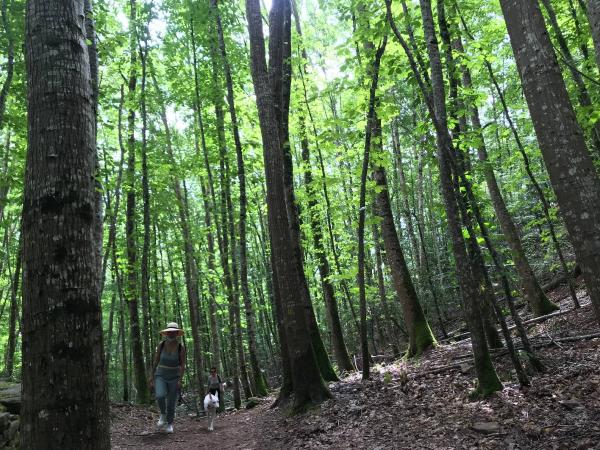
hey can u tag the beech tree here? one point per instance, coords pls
(572, 173)
(62, 327)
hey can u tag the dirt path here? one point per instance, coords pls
(134, 428)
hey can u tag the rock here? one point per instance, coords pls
(4, 420)
(13, 429)
(10, 397)
(486, 427)
(465, 368)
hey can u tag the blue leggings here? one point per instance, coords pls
(166, 393)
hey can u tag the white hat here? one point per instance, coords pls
(172, 326)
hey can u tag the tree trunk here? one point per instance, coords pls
(307, 384)
(371, 125)
(583, 95)
(593, 14)
(258, 379)
(280, 74)
(563, 147)
(131, 291)
(420, 337)
(333, 319)
(145, 278)
(62, 326)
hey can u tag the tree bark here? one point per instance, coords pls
(62, 326)
(145, 278)
(593, 14)
(307, 384)
(371, 125)
(583, 95)
(563, 147)
(420, 337)
(258, 378)
(333, 319)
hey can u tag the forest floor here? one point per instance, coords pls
(421, 404)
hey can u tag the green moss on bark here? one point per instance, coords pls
(424, 340)
(544, 306)
(488, 381)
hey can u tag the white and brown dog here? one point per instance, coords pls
(211, 403)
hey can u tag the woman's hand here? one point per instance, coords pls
(179, 384)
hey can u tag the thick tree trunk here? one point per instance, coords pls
(258, 378)
(333, 319)
(307, 384)
(280, 74)
(563, 147)
(62, 327)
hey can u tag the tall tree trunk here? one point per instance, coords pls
(280, 74)
(307, 384)
(583, 95)
(333, 319)
(131, 291)
(420, 337)
(371, 125)
(145, 278)
(258, 377)
(549, 306)
(563, 147)
(62, 326)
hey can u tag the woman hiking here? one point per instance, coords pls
(169, 364)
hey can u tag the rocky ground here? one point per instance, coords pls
(422, 404)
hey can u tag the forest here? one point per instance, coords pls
(377, 220)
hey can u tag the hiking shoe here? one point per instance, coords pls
(161, 421)
(169, 428)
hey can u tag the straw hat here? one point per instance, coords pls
(172, 326)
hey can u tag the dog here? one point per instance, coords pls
(211, 403)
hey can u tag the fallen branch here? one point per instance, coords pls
(562, 279)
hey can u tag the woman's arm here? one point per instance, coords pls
(181, 362)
